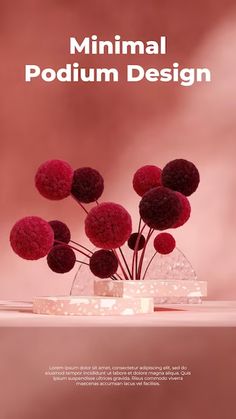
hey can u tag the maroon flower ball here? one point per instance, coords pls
(146, 178)
(61, 231)
(61, 259)
(108, 225)
(186, 210)
(103, 263)
(53, 179)
(181, 175)
(160, 208)
(87, 185)
(31, 238)
(164, 243)
(133, 240)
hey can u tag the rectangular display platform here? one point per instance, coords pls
(207, 314)
(163, 291)
(92, 306)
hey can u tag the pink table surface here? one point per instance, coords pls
(209, 352)
(207, 314)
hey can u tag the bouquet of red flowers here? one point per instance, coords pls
(163, 205)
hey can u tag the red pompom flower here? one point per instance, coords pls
(61, 231)
(160, 208)
(87, 185)
(164, 243)
(108, 225)
(133, 240)
(31, 238)
(146, 178)
(186, 210)
(61, 259)
(54, 179)
(103, 263)
(181, 175)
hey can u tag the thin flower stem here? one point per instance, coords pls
(80, 204)
(149, 263)
(143, 253)
(136, 256)
(72, 247)
(125, 262)
(120, 264)
(80, 245)
(81, 261)
(116, 276)
(139, 224)
(136, 251)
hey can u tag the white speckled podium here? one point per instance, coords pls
(162, 290)
(207, 314)
(92, 306)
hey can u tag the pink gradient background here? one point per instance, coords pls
(119, 127)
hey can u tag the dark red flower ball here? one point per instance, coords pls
(108, 225)
(146, 178)
(164, 243)
(31, 238)
(61, 231)
(54, 179)
(103, 263)
(186, 210)
(87, 185)
(61, 259)
(133, 240)
(160, 208)
(181, 175)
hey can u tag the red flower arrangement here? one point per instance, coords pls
(160, 208)
(108, 225)
(61, 232)
(53, 179)
(31, 238)
(61, 259)
(146, 178)
(164, 243)
(103, 263)
(181, 175)
(87, 185)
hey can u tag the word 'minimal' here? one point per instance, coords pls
(91, 45)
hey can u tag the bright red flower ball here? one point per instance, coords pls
(160, 208)
(103, 263)
(108, 225)
(164, 243)
(146, 178)
(87, 185)
(186, 210)
(133, 240)
(31, 238)
(61, 231)
(181, 175)
(61, 259)
(53, 179)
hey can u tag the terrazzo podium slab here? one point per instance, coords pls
(163, 291)
(92, 306)
(208, 314)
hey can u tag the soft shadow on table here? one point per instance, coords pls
(168, 309)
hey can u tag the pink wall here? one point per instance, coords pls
(119, 127)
